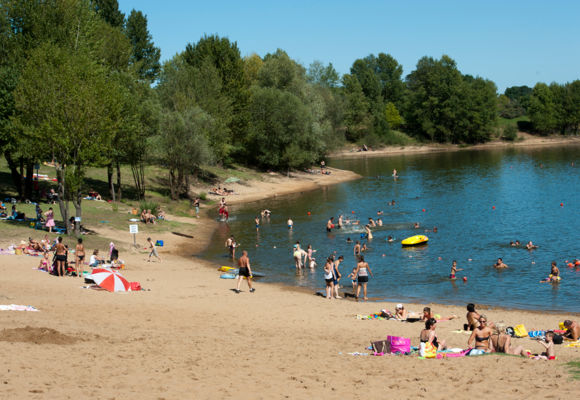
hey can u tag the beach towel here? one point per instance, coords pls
(16, 307)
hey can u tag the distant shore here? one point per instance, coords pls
(525, 140)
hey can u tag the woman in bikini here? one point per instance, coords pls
(428, 335)
(481, 336)
(80, 258)
(329, 277)
(502, 344)
(362, 271)
(472, 318)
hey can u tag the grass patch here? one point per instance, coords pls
(503, 122)
(574, 368)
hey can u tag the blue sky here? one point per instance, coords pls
(511, 42)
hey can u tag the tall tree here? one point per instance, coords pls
(145, 56)
(109, 11)
(542, 110)
(325, 76)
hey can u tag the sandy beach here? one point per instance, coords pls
(188, 335)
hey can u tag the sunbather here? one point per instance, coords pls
(428, 335)
(480, 337)
(572, 330)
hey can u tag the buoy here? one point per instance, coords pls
(577, 262)
(352, 212)
(464, 279)
(439, 258)
(470, 259)
(308, 213)
(561, 204)
(384, 255)
(570, 265)
(423, 210)
(493, 207)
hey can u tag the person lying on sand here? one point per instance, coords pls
(427, 314)
(572, 330)
(501, 343)
(481, 336)
(400, 313)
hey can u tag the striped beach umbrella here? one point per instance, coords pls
(110, 280)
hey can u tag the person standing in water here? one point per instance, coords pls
(340, 223)
(290, 223)
(369, 233)
(454, 270)
(231, 246)
(257, 221)
(244, 271)
(330, 224)
(362, 271)
(356, 250)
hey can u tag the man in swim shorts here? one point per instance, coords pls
(61, 252)
(330, 224)
(244, 271)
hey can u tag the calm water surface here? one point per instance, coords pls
(458, 192)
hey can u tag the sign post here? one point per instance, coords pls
(134, 229)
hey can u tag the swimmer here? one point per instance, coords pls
(512, 244)
(416, 226)
(379, 222)
(364, 247)
(531, 246)
(392, 203)
(340, 223)
(372, 222)
(517, 243)
(434, 229)
(265, 213)
(257, 221)
(330, 224)
(454, 269)
(500, 264)
(390, 239)
(356, 249)
(369, 233)
(380, 212)
(395, 173)
(290, 223)
(348, 240)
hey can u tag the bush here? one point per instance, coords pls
(149, 205)
(203, 196)
(510, 133)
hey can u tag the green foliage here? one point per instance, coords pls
(109, 11)
(510, 133)
(325, 76)
(444, 106)
(508, 108)
(519, 95)
(574, 369)
(392, 115)
(542, 110)
(203, 196)
(145, 56)
(149, 205)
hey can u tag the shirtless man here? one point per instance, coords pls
(572, 330)
(330, 224)
(244, 271)
(60, 257)
(369, 233)
(356, 249)
(372, 222)
(531, 246)
(340, 223)
(231, 246)
(500, 264)
(379, 222)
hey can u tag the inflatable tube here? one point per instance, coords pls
(415, 240)
(225, 268)
(228, 276)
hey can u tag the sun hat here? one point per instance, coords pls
(399, 306)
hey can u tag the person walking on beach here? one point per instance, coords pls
(196, 205)
(49, 219)
(329, 277)
(244, 271)
(362, 271)
(152, 250)
(60, 257)
(80, 258)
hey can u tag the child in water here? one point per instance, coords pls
(290, 223)
(352, 277)
(454, 269)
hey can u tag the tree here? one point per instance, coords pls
(109, 11)
(325, 76)
(183, 146)
(356, 116)
(542, 110)
(145, 56)
(252, 65)
(65, 99)
(392, 115)
(519, 95)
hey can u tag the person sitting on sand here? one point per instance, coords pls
(428, 335)
(548, 343)
(500, 264)
(531, 246)
(400, 313)
(481, 336)
(501, 343)
(44, 262)
(161, 214)
(572, 330)
(472, 318)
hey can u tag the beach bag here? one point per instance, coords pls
(427, 350)
(380, 347)
(135, 286)
(520, 331)
(398, 344)
(558, 339)
(159, 243)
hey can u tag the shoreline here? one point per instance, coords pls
(526, 141)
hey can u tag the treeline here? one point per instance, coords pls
(81, 84)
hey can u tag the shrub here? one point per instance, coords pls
(149, 205)
(510, 133)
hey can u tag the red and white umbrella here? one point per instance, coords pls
(110, 280)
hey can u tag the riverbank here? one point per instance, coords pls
(524, 140)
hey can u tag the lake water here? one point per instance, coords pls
(458, 192)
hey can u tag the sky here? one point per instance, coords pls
(511, 42)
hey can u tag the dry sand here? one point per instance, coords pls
(190, 336)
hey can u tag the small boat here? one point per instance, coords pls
(415, 240)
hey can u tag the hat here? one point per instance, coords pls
(399, 306)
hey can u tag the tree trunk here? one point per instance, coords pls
(118, 182)
(16, 177)
(62, 203)
(110, 181)
(172, 184)
(138, 170)
(21, 168)
(28, 181)
(77, 198)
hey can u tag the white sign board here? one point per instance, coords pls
(77, 219)
(133, 228)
